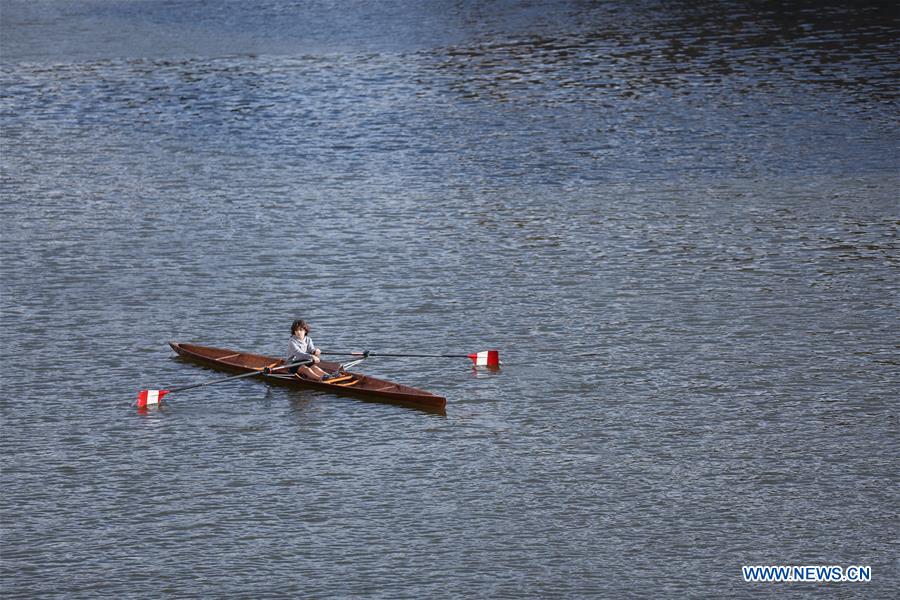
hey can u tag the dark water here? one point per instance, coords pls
(678, 222)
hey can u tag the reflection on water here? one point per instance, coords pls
(682, 50)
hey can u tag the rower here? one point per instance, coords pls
(302, 348)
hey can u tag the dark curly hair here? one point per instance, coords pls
(299, 324)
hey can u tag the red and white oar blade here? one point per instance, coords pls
(487, 358)
(150, 397)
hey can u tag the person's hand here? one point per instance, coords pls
(316, 360)
(318, 352)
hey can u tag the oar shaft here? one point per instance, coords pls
(397, 355)
(241, 376)
(485, 358)
(421, 355)
(196, 385)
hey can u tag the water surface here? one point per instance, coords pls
(677, 222)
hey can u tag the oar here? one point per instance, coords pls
(485, 358)
(150, 397)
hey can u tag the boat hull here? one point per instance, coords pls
(353, 384)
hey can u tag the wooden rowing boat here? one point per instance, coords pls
(349, 383)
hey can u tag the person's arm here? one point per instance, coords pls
(311, 348)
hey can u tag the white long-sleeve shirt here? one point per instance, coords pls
(300, 349)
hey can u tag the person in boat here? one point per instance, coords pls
(302, 348)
